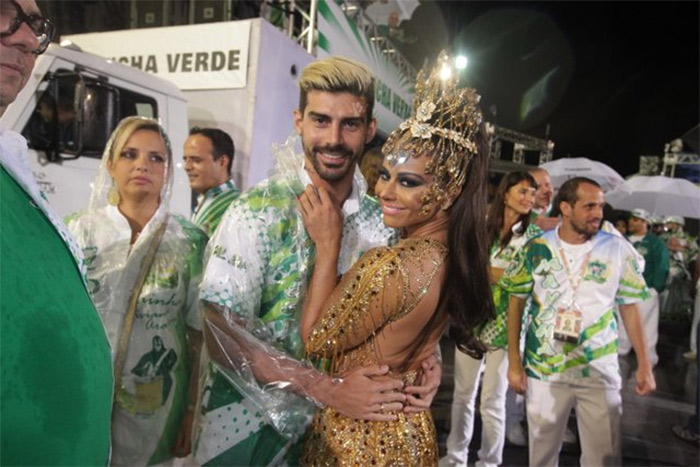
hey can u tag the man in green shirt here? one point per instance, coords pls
(208, 156)
(55, 366)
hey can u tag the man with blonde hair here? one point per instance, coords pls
(258, 394)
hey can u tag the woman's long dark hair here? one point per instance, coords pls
(494, 222)
(466, 293)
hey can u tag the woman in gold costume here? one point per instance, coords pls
(392, 307)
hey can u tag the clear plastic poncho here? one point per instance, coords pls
(152, 396)
(253, 394)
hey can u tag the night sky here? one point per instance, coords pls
(613, 80)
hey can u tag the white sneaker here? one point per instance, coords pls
(690, 355)
(515, 434)
(570, 437)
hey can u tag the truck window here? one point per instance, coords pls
(52, 123)
(132, 103)
(53, 126)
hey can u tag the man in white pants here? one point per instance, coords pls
(575, 274)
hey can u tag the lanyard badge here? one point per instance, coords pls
(568, 323)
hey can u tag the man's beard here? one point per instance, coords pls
(584, 230)
(322, 171)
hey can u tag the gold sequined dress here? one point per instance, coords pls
(387, 294)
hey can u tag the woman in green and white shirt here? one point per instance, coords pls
(509, 228)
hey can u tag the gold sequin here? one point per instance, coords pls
(338, 440)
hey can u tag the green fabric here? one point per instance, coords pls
(540, 366)
(260, 261)
(655, 261)
(495, 333)
(209, 216)
(56, 386)
(612, 274)
(260, 448)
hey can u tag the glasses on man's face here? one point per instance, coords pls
(12, 17)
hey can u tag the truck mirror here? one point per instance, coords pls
(97, 110)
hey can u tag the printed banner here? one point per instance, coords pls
(200, 56)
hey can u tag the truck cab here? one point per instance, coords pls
(69, 107)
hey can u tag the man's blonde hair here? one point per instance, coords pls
(337, 74)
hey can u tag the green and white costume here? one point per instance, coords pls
(494, 333)
(212, 205)
(260, 263)
(153, 394)
(612, 275)
(584, 374)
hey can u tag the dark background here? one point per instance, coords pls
(611, 80)
(606, 80)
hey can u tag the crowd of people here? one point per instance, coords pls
(299, 321)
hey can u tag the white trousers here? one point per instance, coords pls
(598, 416)
(649, 314)
(493, 394)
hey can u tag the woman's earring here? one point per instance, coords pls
(113, 197)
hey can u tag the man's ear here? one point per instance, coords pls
(223, 161)
(565, 208)
(298, 118)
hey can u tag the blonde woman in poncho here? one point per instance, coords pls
(144, 267)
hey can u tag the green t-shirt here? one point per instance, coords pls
(55, 367)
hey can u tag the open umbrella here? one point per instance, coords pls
(561, 170)
(662, 196)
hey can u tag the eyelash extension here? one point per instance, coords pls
(409, 182)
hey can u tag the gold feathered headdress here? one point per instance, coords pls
(444, 124)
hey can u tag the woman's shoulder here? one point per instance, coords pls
(420, 247)
(409, 253)
(82, 222)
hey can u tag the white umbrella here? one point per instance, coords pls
(561, 170)
(661, 196)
